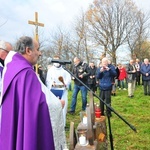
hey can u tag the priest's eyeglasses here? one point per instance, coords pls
(5, 50)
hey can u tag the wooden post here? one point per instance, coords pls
(36, 23)
(101, 133)
(90, 132)
(72, 137)
(92, 109)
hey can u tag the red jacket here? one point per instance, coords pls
(123, 73)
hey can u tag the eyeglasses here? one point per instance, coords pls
(5, 50)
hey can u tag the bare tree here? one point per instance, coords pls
(2, 21)
(111, 21)
(80, 36)
(139, 36)
(142, 50)
(61, 44)
(83, 45)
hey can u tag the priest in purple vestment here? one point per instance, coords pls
(25, 118)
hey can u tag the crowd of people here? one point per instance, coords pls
(31, 106)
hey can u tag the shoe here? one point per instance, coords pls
(114, 94)
(71, 112)
(130, 96)
(124, 89)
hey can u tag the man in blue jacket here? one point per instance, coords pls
(145, 71)
(106, 74)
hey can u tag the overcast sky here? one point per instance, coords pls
(15, 14)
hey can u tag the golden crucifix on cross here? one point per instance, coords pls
(36, 23)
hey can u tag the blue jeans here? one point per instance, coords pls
(76, 90)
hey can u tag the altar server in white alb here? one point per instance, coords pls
(59, 78)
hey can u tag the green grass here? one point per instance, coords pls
(135, 111)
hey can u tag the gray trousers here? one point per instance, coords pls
(146, 85)
(131, 87)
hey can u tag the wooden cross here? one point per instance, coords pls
(36, 23)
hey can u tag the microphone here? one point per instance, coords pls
(62, 62)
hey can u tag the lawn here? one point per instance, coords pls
(134, 110)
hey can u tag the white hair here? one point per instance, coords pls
(146, 60)
(2, 44)
(105, 59)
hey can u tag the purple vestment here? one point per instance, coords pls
(25, 120)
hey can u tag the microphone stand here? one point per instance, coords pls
(108, 107)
